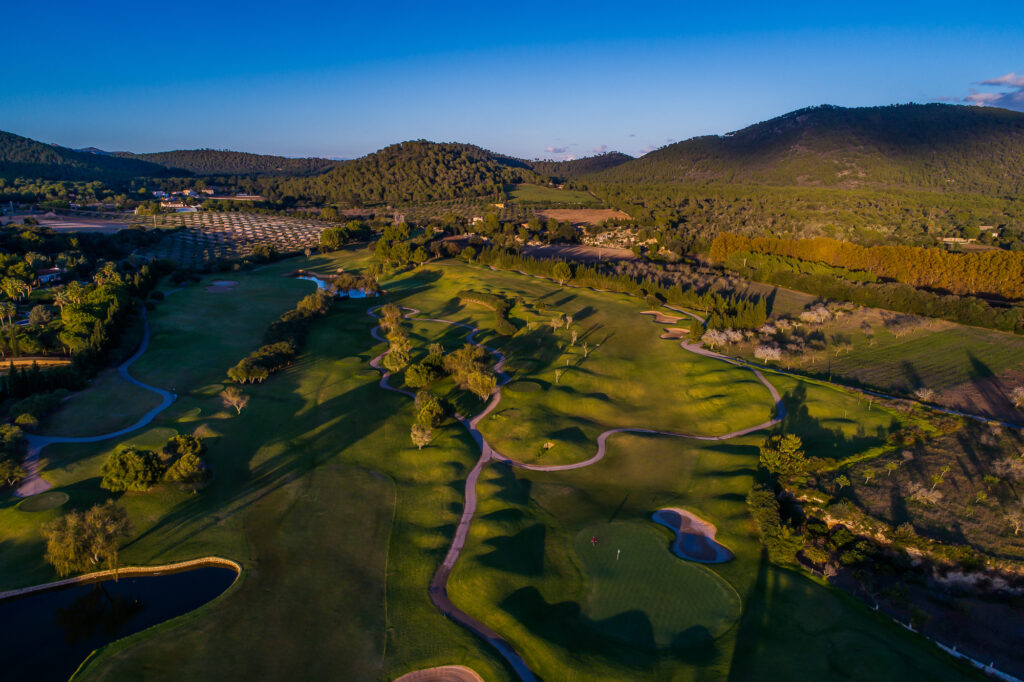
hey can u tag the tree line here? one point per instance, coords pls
(987, 273)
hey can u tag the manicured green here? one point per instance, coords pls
(642, 593)
(43, 501)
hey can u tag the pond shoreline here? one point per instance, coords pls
(125, 572)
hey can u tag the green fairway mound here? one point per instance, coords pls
(350, 361)
(646, 595)
(191, 415)
(43, 502)
(367, 374)
(211, 389)
(524, 386)
(153, 439)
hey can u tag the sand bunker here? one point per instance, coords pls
(219, 286)
(695, 537)
(661, 318)
(444, 673)
(675, 333)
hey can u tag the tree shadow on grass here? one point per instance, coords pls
(522, 553)
(625, 639)
(819, 440)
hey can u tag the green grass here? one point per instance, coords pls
(940, 359)
(340, 522)
(537, 194)
(43, 502)
(640, 592)
(631, 377)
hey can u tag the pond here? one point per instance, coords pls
(350, 293)
(47, 635)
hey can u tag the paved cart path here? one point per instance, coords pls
(439, 584)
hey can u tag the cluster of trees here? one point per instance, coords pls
(416, 172)
(732, 310)
(21, 157)
(224, 162)
(133, 469)
(831, 283)
(499, 304)
(12, 449)
(333, 238)
(394, 248)
(992, 273)
(282, 340)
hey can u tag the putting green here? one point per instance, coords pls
(524, 386)
(43, 501)
(648, 596)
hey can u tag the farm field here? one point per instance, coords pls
(970, 369)
(340, 521)
(537, 194)
(211, 235)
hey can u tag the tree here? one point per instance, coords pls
(891, 467)
(80, 541)
(398, 354)
(482, 383)
(842, 481)
(429, 409)
(131, 469)
(782, 455)
(11, 471)
(562, 272)
(232, 396)
(39, 316)
(1015, 517)
(189, 468)
(421, 435)
(15, 288)
(420, 255)
(420, 375)
(1017, 395)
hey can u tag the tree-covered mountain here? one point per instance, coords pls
(21, 157)
(406, 173)
(222, 162)
(567, 170)
(935, 147)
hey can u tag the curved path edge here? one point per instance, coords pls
(120, 572)
(438, 589)
(33, 483)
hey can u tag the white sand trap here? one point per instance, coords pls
(444, 673)
(695, 537)
(676, 333)
(661, 318)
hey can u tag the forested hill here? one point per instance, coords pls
(934, 147)
(567, 170)
(21, 157)
(218, 162)
(409, 172)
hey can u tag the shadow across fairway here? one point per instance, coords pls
(818, 438)
(624, 639)
(522, 553)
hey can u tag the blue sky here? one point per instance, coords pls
(530, 79)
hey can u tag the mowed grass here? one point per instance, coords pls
(109, 404)
(337, 541)
(640, 592)
(340, 522)
(627, 377)
(537, 194)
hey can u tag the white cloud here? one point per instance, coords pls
(646, 150)
(1010, 96)
(600, 149)
(556, 150)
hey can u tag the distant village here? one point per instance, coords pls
(187, 200)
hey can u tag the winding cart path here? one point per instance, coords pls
(33, 483)
(439, 584)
